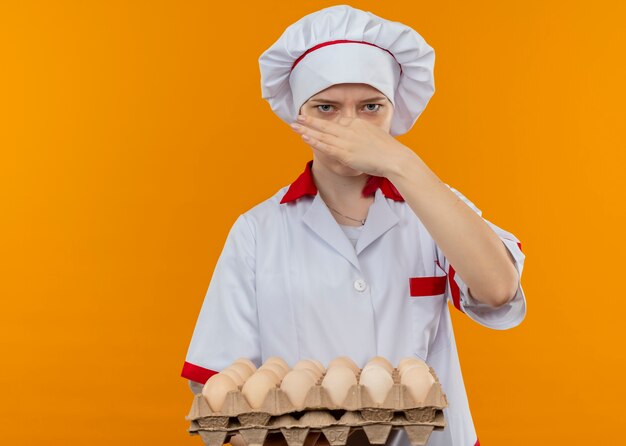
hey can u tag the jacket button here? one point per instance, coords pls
(360, 285)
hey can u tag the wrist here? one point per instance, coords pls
(403, 166)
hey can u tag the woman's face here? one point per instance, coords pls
(352, 101)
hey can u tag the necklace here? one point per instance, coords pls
(350, 218)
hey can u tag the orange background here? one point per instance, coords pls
(133, 133)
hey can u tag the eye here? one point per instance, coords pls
(323, 105)
(378, 106)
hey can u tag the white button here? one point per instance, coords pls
(360, 285)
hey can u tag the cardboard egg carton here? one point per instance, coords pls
(335, 430)
(335, 421)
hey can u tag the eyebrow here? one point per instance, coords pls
(328, 101)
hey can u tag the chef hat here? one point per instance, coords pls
(341, 44)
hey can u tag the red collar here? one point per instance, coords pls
(304, 185)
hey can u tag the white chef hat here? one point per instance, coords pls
(342, 44)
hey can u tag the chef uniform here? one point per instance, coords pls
(291, 283)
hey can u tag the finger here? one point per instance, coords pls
(320, 136)
(323, 147)
(322, 125)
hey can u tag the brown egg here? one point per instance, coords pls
(256, 387)
(296, 384)
(279, 361)
(337, 382)
(275, 377)
(247, 362)
(383, 362)
(274, 367)
(243, 370)
(319, 365)
(215, 390)
(405, 363)
(314, 374)
(377, 380)
(233, 375)
(375, 365)
(346, 362)
(418, 381)
(309, 368)
(310, 364)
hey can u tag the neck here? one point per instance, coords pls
(344, 193)
(338, 188)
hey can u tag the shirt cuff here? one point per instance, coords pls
(505, 316)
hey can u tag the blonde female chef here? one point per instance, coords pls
(355, 256)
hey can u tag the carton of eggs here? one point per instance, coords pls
(250, 401)
(341, 386)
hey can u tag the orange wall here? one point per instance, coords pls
(133, 133)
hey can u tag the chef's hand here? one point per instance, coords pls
(354, 142)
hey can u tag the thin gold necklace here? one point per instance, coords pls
(350, 218)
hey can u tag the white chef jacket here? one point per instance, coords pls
(289, 283)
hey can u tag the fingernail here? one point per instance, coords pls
(294, 126)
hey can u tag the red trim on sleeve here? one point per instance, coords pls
(519, 244)
(196, 373)
(305, 185)
(477, 443)
(427, 286)
(454, 289)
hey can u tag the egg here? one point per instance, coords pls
(256, 387)
(247, 362)
(275, 377)
(314, 374)
(346, 362)
(310, 364)
(419, 381)
(274, 367)
(383, 362)
(296, 384)
(242, 369)
(337, 382)
(409, 362)
(279, 361)
(377, 380)
(310, 369)
(215, 390)
(233, 375)
(319, 365)
(374, 365)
